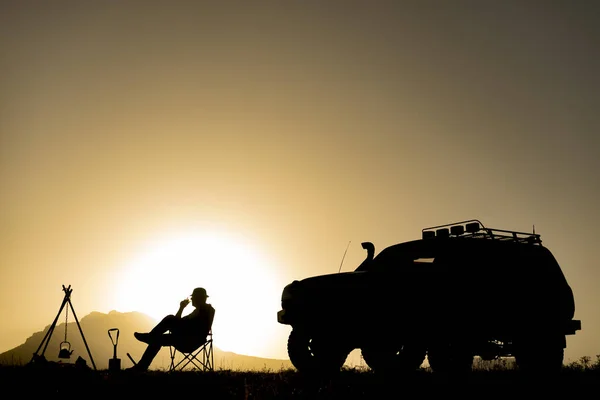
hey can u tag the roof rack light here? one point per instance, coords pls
(428, 234)
(477, 230)
(457, 230)
(473, 227)
(443, 232)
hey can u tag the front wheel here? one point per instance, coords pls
(311, 354)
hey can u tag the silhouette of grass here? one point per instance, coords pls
(350, 383)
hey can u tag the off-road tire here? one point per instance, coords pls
(540, 359)
(446, 358)
(314, 356)
(392, 360)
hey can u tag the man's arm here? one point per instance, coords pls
(182, 305)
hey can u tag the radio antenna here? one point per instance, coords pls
(344, 256)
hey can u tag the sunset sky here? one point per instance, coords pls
(147, 148)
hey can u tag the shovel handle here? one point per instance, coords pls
(114, 341)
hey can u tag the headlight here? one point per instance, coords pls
(288, 292)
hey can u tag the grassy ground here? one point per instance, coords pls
(582, 377)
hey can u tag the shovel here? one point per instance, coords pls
(114, 364)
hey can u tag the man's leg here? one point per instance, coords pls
(154, 345)
(168, 323)
(151, 352)
(155, 339)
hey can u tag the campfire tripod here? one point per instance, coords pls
(65, 352)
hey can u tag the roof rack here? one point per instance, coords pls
(473, 228)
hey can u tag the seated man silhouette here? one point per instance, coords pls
(184, 333)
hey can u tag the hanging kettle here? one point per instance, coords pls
(65, 350)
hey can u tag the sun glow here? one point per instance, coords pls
(241, 284)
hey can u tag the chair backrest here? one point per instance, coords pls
(211, 318)
(196, 342)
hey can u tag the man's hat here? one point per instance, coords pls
(199, 292)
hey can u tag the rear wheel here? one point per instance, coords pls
(393, 359)
(544, 357)
(315, 355)
(443, 357)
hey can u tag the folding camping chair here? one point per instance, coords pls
(201, 357)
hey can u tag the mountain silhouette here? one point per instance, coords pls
(95, 327)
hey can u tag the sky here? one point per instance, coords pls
(148, 147)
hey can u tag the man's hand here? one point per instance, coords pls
(184, 303)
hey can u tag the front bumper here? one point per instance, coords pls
(572, 326)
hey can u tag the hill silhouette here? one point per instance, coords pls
(95, 328)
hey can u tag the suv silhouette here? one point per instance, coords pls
(462, 290)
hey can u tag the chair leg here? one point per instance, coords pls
(202, 359)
